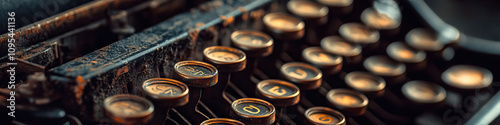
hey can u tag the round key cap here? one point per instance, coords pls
(279, 93)
(254, 43)
(467, 77)
(324, 116)
(423, 92)
(338, 6)
(348, 101)
(339, 46)
(359, 33)
(366, 83)
(253, 111)
(401, 52)
(225, 59)
(309, 10)
(221, 121)
(128, 109)
(381, 21)
(168, 92)
(327, 62)
(305, 76)
(414, 59)
(196, 73)
(380, 65)
(423, 39)
(284, 26)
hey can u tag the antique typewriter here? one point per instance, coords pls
(287, 62)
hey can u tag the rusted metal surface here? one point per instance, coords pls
(30, 11)
(122, 66)
(60, 23)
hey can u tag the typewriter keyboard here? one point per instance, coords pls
(335, 62)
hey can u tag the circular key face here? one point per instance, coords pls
(128, 109)
(168, 92)
(324, 116)
(221, 121)
(225, 59)
(423, 92)
(376, 20)
(284, 25)
(304, 75)
(340, 46)
(307, 9)
(196, 73)
(359, 33)
(401, 52)
(383, 66)
(254, 110)
(320, 57)
(467, 77)
(254, 43)
(423, 39)
(364, 81)
(278, 92)
(348, 100)
(336, 3)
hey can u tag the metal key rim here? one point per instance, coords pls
(325, 110)
(179, 84)
(119, 97)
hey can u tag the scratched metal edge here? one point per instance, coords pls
(121, 68)
(62, 22)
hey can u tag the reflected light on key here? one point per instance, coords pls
(382, 65)
(378, 20)
(466, 77)
(421, 92)
(324, 118)
(283, 24)
(346, 99)
(364, 84)
(359, 33)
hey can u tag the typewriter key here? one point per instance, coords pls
(423, 39)
(253, 43)
(401, 52)
(305, 76)
(467, 77)
(278, 92)
(284, 26)
(165, 93)
(253, 111)
(327, 62)
(256, 45)
(387, 24)
(423, 92)
(227, 60)
(315, 16)
(359, 33)
(128, 109)
(392, 71)
(324, 116)
(308, 10)
(366, 83)
(221, 121)
(196, 75)
(338, 6)
(340, 46)
(348, 101)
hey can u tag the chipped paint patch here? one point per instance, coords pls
(122, 71)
